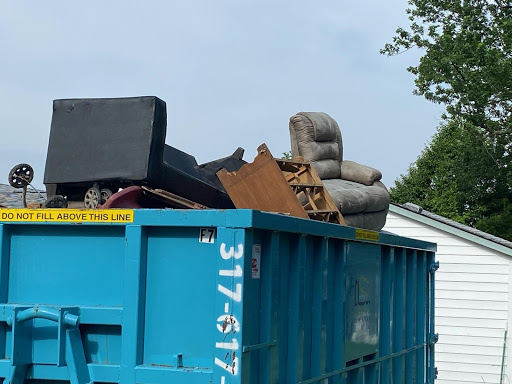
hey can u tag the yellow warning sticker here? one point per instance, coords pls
(362, 234)
(68, 215)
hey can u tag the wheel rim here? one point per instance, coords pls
(21, 176)
(92, 198)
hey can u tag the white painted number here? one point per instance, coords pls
(237, 295)
(231, 253)
(227, 323)
(233, 369)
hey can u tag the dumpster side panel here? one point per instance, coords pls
(178, 299)
(321, 308)
(72, 267)
(179, 271)
(5, 241)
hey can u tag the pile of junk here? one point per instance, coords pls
(111, 153)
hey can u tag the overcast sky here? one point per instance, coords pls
(232, 72)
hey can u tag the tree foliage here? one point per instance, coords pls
(467, 63)
(287, 155)
(467, 66)
(456, 176)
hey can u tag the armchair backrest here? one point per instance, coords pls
(317, 138)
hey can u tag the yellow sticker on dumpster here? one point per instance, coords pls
(68, 215)
(362, 234)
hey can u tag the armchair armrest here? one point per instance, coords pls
(359, 173)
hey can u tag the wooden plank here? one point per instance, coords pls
(467, 359)
(472, 295)
(415, 231)
(496, 269)
(466, 250)
(318, 199)
(475, 286)
(289, 165)
(260, 185)
(469, 367)
(464, 377)
(479, 341)
(438, 381)
(470, 322)
(171, 199)
(273, 185)
(305, 185)
(458, 382)
(473, 259)
(320, 211)
(471, 277)
(469, 349)
(472, 313)
(480, 305)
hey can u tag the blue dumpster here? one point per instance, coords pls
(235, 296)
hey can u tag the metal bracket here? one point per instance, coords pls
(70, 351)
(21, 352)
(434, 267)
(65, 326)
(17, 374)
(434, 339)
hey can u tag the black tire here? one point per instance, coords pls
(105, 194)
(21, 175)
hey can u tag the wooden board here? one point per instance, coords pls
(260, 185)
(172, 200)
(284, 186)
(310, 191)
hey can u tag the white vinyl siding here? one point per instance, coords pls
(472, 304)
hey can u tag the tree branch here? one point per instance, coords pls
(458, 71)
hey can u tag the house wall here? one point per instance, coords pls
(473, 304)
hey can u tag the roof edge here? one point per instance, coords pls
(447, 227)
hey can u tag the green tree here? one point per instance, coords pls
(467, 66)
(467, 61)
(456, 176)
(287, 155)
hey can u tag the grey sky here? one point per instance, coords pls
(232, 73)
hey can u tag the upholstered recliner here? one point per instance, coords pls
(356, 189)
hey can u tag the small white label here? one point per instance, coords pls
(256, 261)
(207, 235)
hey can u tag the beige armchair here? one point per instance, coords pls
(356, 189)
